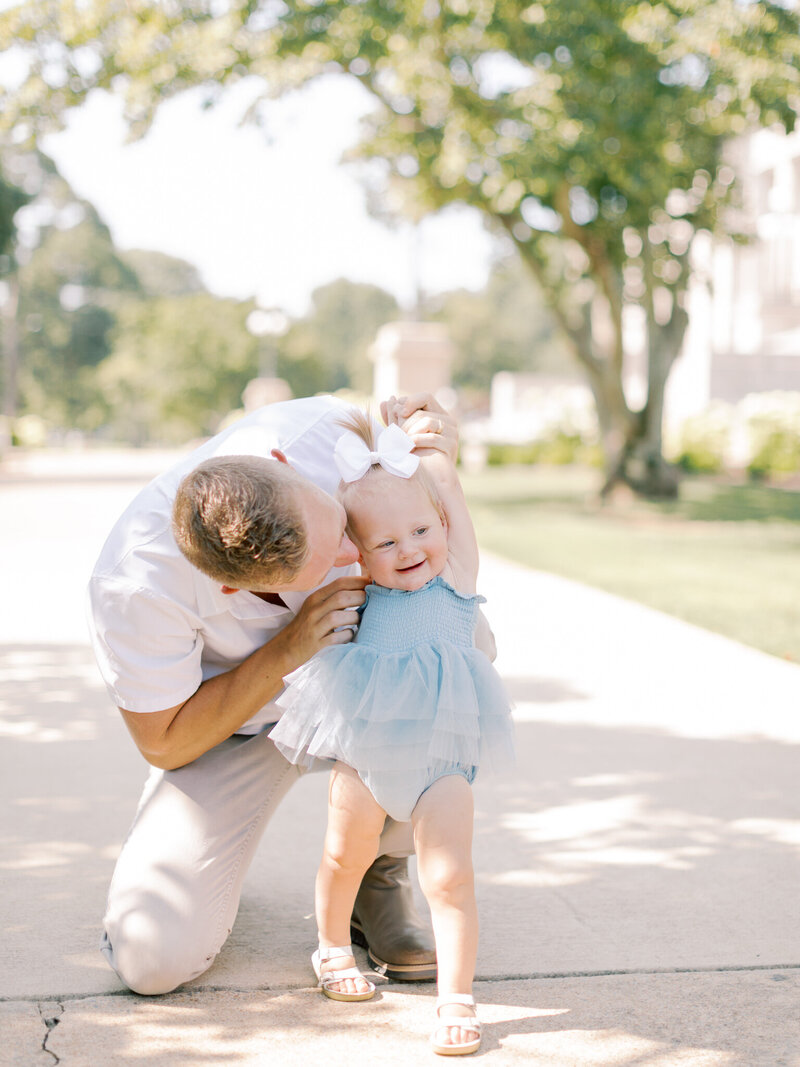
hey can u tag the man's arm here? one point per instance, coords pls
(221, 705)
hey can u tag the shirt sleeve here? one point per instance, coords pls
(148, 648)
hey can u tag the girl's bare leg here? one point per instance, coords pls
(442, 823)
(355, 821)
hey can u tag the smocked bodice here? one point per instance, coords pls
(395, 620)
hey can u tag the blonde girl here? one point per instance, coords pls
(408, 711)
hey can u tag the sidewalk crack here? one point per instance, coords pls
(50, 1013)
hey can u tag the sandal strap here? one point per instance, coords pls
(339, 976)
(330, 952)
(455, 998)
(464, 1022)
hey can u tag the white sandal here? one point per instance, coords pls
(329, 978)
(464, 1022)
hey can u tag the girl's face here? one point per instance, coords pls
(402, 538)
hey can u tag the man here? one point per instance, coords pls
(221, 577)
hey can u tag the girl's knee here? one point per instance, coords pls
(349, 854)
(449, 880)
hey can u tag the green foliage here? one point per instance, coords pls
(558, 449)
(505, 327)
(12, 198)
(774, 428)
(590, 132)
(703, 440)
(162, 275)
(129, 344)
(725, 557)
(327, 350)
(68, 276)
(177, 366)
(778, 455)
(500, 454)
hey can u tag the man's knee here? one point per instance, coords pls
(152, 959)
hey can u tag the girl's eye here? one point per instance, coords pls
(422, 530)
(386, 544)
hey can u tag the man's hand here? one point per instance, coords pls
(178, 735)
(318, 622)
(425, 420)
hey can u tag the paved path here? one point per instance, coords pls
(637, 875)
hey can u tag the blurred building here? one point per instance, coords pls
(411, 357)
(529, 407)
(744, 301)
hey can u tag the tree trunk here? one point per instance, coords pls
(631, 440)
(645, 469)
(9, 339)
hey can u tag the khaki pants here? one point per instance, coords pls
(176, 886)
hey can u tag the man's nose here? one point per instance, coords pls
(348, 553)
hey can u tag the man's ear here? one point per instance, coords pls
(281, 458)
(227, 590)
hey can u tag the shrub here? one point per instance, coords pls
(773, 424)
(703, 439)
(498, 455)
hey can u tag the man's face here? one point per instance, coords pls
(329, 546)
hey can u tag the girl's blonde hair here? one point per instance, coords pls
(361, 424)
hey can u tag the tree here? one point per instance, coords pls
(12, 198)
(327, 350)
(125, 343)
(177, 366)
(506, 327)
(162, 275)
(62, 278)
(591, 132)
(70, 283)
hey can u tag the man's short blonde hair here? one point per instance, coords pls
(236, 519)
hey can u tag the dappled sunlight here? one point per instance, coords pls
(604, 1021)
(538, 879)
(44, 854)
(65, 809)
(616, 848)
(778, 831)
(49, 693)
(616, 831)
(75, 731)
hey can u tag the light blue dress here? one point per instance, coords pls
(409, 701)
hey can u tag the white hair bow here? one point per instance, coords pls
(393, 453)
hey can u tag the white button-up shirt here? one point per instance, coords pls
(159, 626)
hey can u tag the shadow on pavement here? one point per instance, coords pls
(610, 849)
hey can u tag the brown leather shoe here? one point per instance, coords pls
(386, 923)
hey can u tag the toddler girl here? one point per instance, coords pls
(408, 711)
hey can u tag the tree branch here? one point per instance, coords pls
(601, 267)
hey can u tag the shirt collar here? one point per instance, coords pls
(241, 604)
(244, 605)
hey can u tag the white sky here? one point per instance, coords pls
(270, 213)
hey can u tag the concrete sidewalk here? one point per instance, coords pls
(637, 876)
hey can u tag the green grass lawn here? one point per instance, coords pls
(725, 557)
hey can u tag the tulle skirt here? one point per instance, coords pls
(401, 720)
